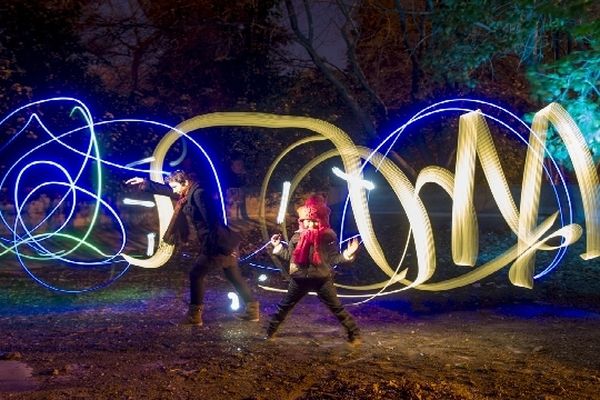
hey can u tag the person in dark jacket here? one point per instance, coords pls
(311, 252)
(195, 220)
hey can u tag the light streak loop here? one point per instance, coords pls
(474, 142)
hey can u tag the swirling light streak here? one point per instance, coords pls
(285, 195)
(34, 240)
(252, 124)
(260, 266)
(569, 236)
(474, 140)
(181, 157)
(447, 187)
(164, 251)
(249, 256)
(146, 160)
(150, 250)
(362, 182)
(87, 156)
(422, 114)
(562, 250)
(265, 184)
(235, 301)
(155, 172)
(92, 145)
(141, 203)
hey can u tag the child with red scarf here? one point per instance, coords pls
(312, 251)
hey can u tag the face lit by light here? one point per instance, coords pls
(178, 187)
(310, 224)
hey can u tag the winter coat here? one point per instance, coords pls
(199, 213)
(328, 250)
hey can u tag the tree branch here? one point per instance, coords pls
(319, 61)
(351, 33)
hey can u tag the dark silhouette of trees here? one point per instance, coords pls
(40, 51)
(399, 53)
(171, 60)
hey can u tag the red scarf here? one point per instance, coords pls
(169, 236)
(308, 238)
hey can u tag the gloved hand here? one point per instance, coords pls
(135, 181)
(351, 249)
(276, 240)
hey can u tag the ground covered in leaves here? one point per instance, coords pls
(487, 340)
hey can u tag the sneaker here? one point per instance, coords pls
(194, 315)
(354, 342)
(245, 316)
(270, 336)
(187, 320)
(251, 313)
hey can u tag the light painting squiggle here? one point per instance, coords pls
(28, 243)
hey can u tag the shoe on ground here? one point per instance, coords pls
(354, 342)
(270, 336)
(194, 315)
(251, 313)
(191, 321)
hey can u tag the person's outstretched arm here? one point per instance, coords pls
(147, 185)
(334, 256)
(281, 251)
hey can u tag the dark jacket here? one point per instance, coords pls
(200, 216)
(199, 211)
(328, 250)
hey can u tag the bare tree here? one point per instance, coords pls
(334, 76)
(125, 43)
(378, 38)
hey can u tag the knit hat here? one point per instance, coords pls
(315, 209)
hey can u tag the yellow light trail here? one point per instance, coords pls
(474, 142)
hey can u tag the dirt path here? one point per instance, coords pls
(125, 342)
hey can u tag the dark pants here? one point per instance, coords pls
(298, 288)
(231, 269)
